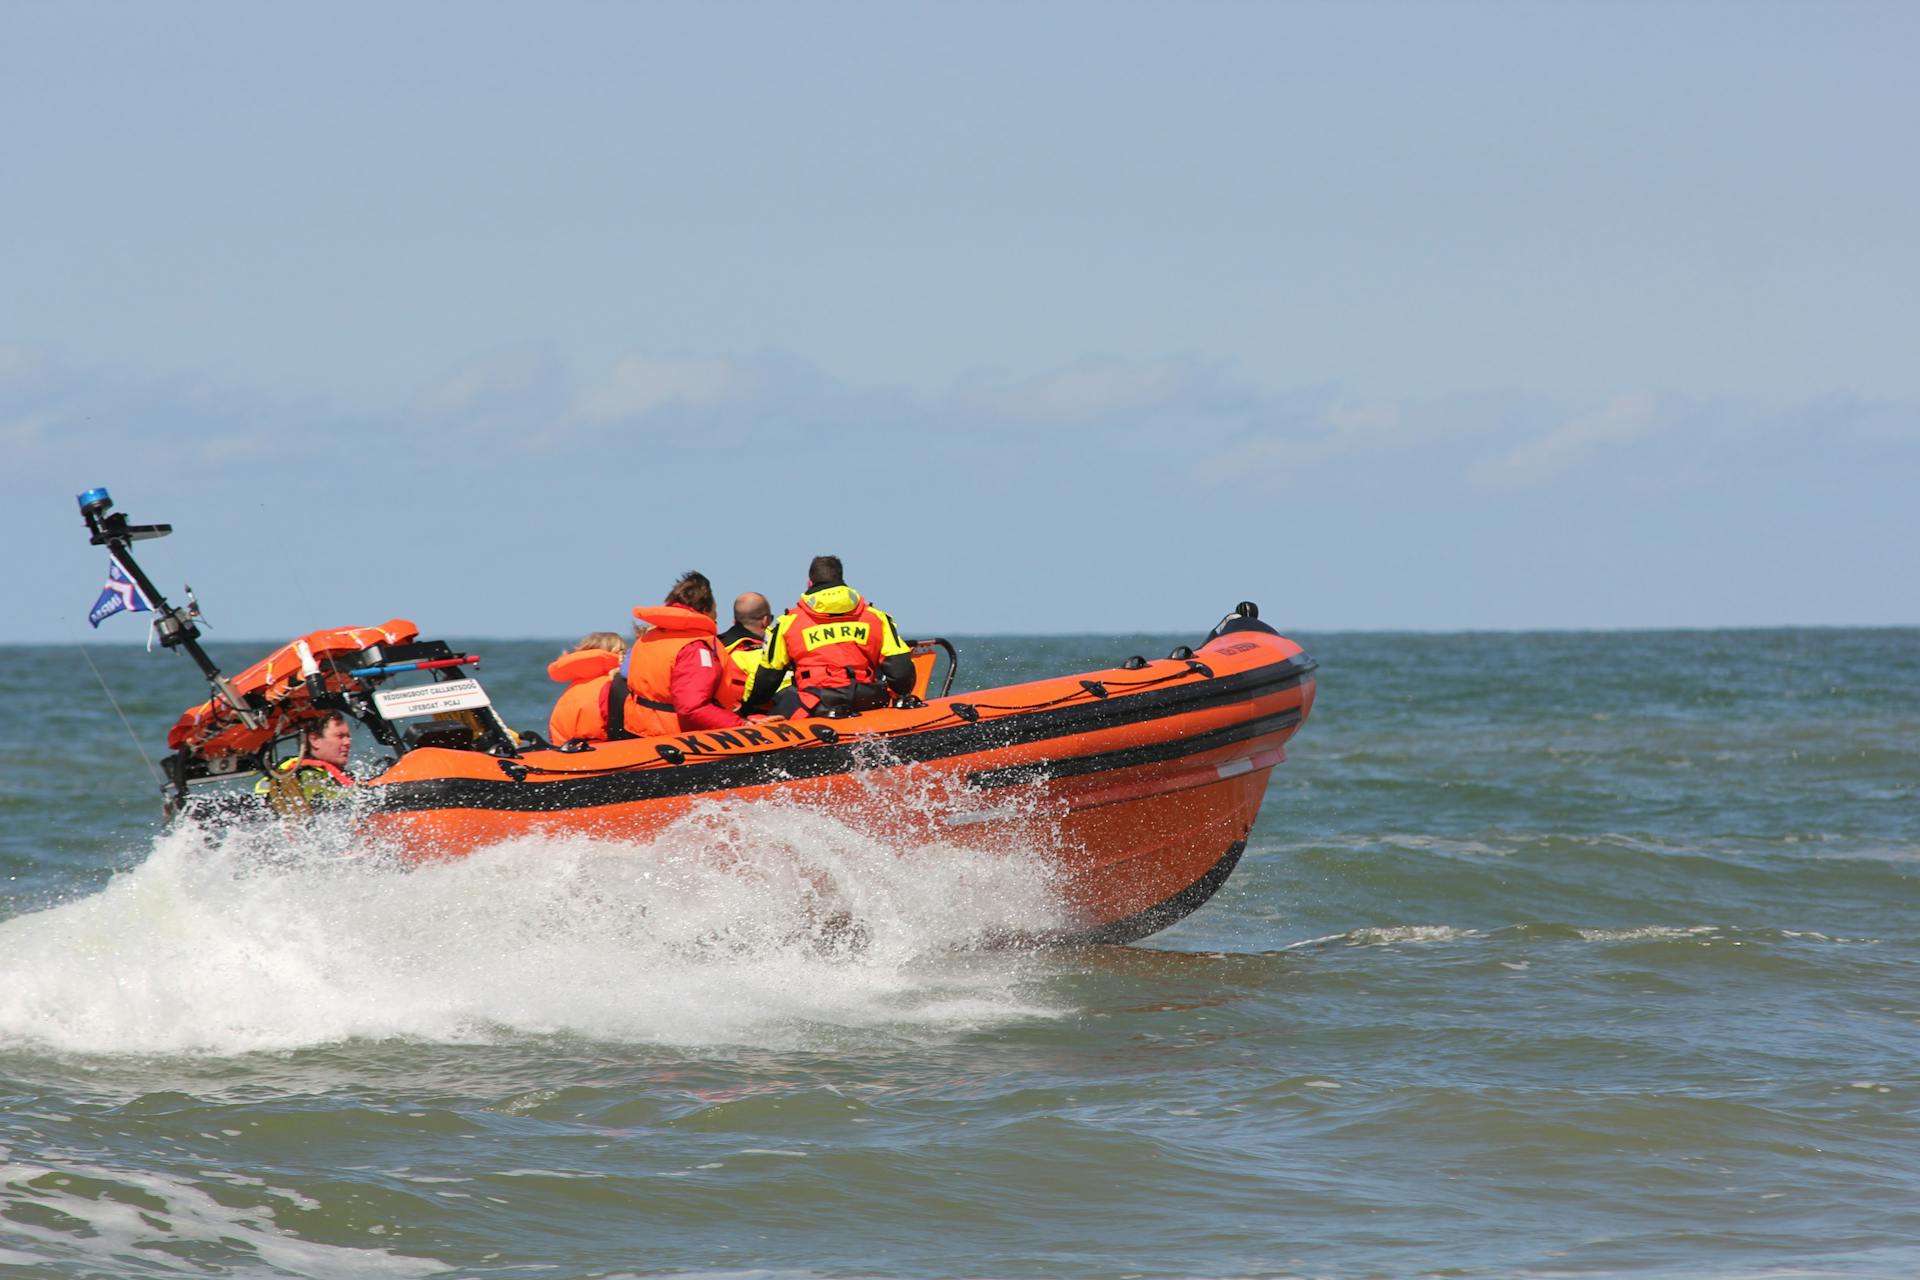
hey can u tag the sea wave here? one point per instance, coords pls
(743, 923)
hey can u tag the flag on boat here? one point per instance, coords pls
(121, 595)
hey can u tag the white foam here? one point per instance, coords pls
(711, 934)
(1648, 933)
(108, 1228)
(1382, 937)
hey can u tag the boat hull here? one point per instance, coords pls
(1139, 787)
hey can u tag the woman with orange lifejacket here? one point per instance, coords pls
(587, 671)
(674, 675)
(845, 655)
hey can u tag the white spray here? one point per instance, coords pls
(771, 925)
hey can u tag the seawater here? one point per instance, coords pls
(1551, 954)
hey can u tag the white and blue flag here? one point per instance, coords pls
(121, 595)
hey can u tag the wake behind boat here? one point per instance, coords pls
(1138, 784)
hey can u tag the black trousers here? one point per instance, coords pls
(843, 698)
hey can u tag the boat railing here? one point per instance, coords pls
(928, 650)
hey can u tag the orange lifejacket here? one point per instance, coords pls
(648, 668)
(581, 711)
(833, 650)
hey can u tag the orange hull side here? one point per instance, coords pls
(1141, 790)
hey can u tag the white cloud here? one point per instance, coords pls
(640, 385)
(1088, 393)
(239, 447)
(1533, 462)
(27, 434)
(1254, 456)
(483, 383)
(1288, 441)
(18, 364)
(1353, 428)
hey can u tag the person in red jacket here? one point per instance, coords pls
(675, 676)
(587, 670)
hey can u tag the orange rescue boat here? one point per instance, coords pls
(1138, 784)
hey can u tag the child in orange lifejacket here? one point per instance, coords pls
(586, 669)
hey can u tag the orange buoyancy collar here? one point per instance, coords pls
(582, 664)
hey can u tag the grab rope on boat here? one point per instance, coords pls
(957, 712)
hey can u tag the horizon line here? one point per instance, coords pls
(1622, 629)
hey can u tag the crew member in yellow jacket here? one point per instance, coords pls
(845, 656)
(318, 775)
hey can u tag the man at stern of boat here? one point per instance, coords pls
(674, 675)
(318, 775)
(845, 655)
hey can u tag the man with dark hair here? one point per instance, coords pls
(825, 569)
(845, 655)
(318, 775)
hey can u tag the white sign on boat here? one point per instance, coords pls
(425, 699)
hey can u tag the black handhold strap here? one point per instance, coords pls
(617, 706)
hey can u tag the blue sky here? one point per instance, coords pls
(1045, 318)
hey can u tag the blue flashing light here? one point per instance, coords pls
(95, 497)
